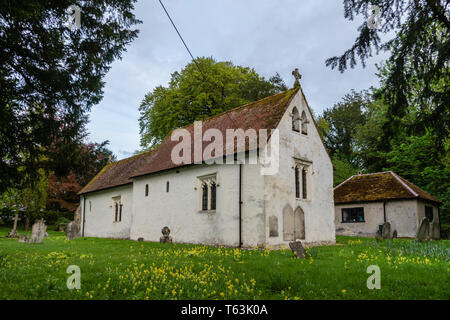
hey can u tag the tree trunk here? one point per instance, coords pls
(27, 222)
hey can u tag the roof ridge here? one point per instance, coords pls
(230, 110)
(401, 180)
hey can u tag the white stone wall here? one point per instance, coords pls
(403, 215)
(262, 196)
(179, 209)
(99, 213)
(280, 188)
(373, 216)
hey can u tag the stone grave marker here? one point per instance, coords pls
(38, 232)
(13, 233)
(23, 238)
(435, 230)
(166, 238)
(273, 226)
(297, 249)
(424, 230)
(386, 233)
(394, 234)
(72, 230)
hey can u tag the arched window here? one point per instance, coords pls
(305, 122)
(204, 197)
(213, 195)
(295, 120)
(167, 186)
(146, 190)
(116, 211)
(297, 183)
(304, 191)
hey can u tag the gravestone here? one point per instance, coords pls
(297, 249)
(38, 232)
(23, 238)
(77, 216)
(386, 233)
(424, 230)
(72, 230)
(13, 233)
(435, 230)
(166, 238)
(273, 226)
(378, 237)
(394, 234)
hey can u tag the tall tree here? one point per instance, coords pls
(419, 61)
(343, 120)
(202, 89)
(51, 75)
(88, 161)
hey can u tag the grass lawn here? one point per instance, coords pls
(122, 269)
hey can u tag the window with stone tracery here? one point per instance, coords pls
(302, 173)
(207, 187)
(117, 209)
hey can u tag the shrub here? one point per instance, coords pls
(61, 224)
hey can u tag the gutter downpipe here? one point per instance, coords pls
(439, 217)
(84, 214)
(240, 205)
(384, 210)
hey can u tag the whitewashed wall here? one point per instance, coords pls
(99, 213)
(179, 208)
(280, 188)
(373, 216)
(403, 215)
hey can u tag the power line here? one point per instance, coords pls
(185, 45)
(193, 59)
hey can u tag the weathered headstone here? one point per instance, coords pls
(23, 238)
(424, 230)
(38, 232)
(166, 238)
(386, 233)
(72, 230)
(394, 234)
(378, 237)
(273, 226)
(13, 233)
(435, 230)
(297, 249)
(77, 216)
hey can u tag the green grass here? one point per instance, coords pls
(120, 269)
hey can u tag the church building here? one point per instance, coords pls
(233, 204)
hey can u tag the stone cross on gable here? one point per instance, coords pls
(297, 77)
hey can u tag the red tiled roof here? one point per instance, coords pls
(378, 187)
(115, 174)
(263, 114)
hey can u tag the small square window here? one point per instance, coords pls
(353, 214)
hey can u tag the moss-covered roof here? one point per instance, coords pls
(115, 174)
(262, 114)
(378, 186)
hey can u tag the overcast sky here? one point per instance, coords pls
(269, 35)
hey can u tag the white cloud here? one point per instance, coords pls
(271, 36)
